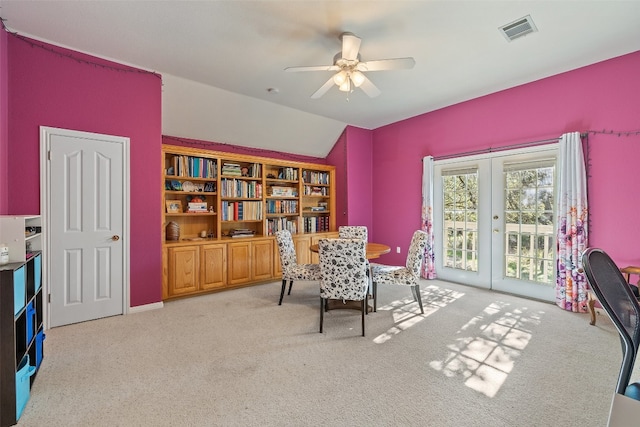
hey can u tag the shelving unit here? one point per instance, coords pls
(253, 198)
(21, 314)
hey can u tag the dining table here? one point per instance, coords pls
(373, 251)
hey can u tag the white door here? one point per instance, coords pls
(494, 221)
(87, 193)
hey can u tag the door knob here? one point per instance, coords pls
(495, 230)
(495, 217)
(115, 238)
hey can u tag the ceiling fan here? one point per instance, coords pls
(350, 70)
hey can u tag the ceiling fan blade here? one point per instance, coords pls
(313, 68)
(369, 88)
(387, 64)
(324, 89)
(350, 46)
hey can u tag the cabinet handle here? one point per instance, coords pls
(115, 238)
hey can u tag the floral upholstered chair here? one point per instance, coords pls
(343, 273)
(404, 276)
(291, 270)
(353, 232)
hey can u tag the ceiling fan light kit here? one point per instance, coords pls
(350, 70)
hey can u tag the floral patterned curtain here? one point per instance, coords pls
(571, 233)
(428, 266)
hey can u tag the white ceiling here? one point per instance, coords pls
(218, 58)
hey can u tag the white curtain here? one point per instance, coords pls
(428, 267)
(572, 221)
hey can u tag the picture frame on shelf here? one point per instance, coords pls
(174, 206)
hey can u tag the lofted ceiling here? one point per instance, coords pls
(220, 58)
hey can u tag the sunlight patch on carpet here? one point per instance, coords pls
(406, 312)
(492, 342)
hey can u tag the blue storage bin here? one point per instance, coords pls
(39, 339)
(37, 267)
(19, 290)
(23, 385)
(31, 321)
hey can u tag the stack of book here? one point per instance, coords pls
(232, 169)
(241, 232)
(197, 207)
(278, 191)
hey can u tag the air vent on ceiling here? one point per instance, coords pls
(519, 28)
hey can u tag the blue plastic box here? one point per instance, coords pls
(37, 268)
(39, 339)
(31, 321)
(19, 290)
(23, 385)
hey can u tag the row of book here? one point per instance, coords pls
(194, 167)
(282, 206)
(288, 173)
(240, 188)
(313, 177)
(316, 224)
(277, 224)
(310, 190)
(241, 211)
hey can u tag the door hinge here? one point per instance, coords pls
(49, 155)
(49, 298)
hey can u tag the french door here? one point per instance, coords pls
(494, 221)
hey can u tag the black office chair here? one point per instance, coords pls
(617, 299)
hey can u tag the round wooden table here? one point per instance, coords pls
(374, 250)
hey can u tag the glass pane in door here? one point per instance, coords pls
(528, 213)
(460, 213)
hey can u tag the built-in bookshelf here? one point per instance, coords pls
(215, 199)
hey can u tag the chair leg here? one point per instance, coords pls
(290, 286)
(364, 310)
(375, 297)
(284, 285)
(322, 304)
(416, 289)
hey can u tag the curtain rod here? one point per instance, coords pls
(506, 147)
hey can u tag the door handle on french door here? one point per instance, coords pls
(115, 238)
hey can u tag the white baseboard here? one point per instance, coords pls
(146, 307)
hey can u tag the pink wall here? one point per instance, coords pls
(338, 158)
(601, 96)
(55, 87)
(359, 184)
(4, 124)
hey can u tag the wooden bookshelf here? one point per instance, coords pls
(237, 202)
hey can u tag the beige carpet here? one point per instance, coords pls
(236, 358)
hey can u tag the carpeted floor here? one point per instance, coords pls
(236, 358)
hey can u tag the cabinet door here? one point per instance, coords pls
(165, 273)
(213, 266)
(183, 270)
(277, 265)
(262, 253)
(303, 253)
(239, 262)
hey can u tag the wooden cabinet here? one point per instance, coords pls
(208, 196)
(213, 262)
(239, 264)
(183, 271)
(262, 260)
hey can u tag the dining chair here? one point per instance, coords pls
(353, 232)
(291, 270)
(409, 275)
(620, 303)
(343, 273)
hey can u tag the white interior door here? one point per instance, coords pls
(87, 230)
(494, 221)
